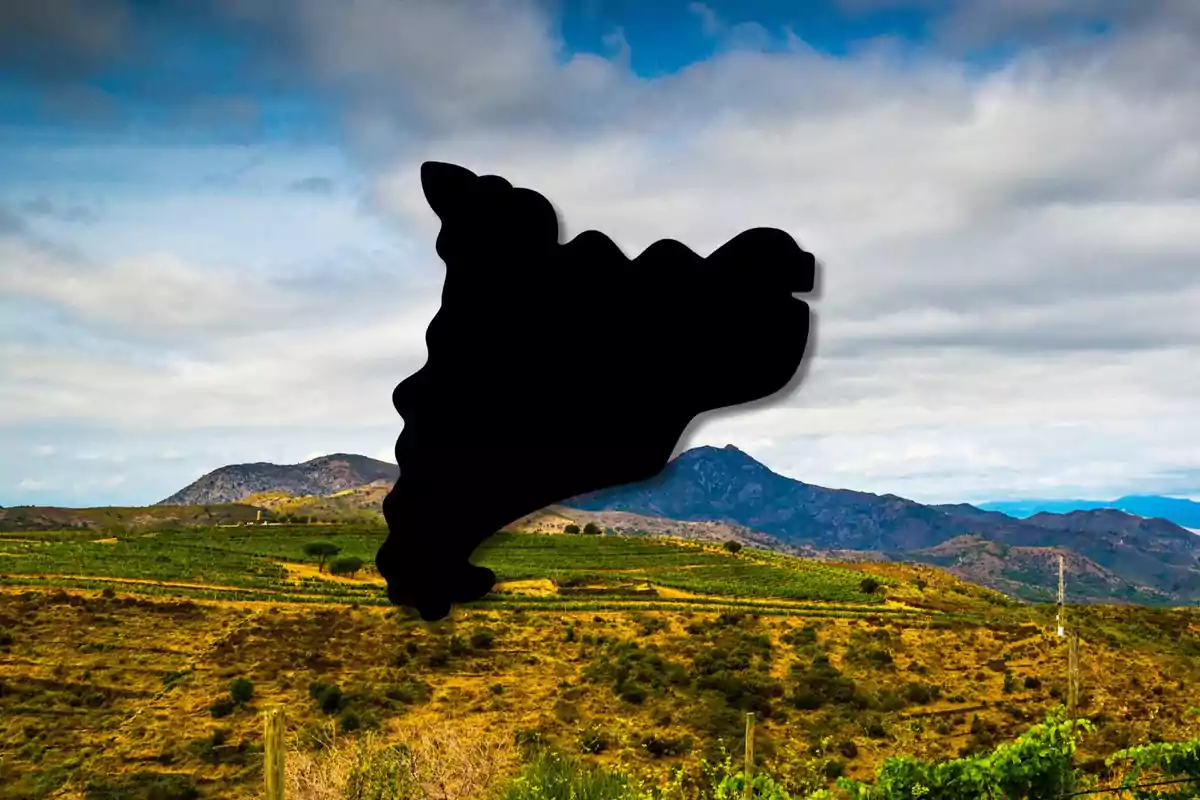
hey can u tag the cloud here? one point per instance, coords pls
(45, 450)
(1009, 253)
(314, 185)
(61, 38)
(743, 35)
(32, 485)
(156, 294)
(45, 208)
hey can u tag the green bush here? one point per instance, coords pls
(347, 565)
(553, 776)
(241, 690)
(328, 696)
(222, 708)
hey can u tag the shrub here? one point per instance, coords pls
(222, 708)
(348, 565)
(328, 696)
(868, 586)
(593, 741)
(572, 529)
(591, 529)
(1032, 683)
(483, 639)
(733, 547)
(552, 775)
(241, 690)
(921, 693)
(658, 747)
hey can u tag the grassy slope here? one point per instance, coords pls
(99, 686)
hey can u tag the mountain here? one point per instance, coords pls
(318, 477)
(725, 484)
(1183, 512)
(1123, 555)
(717, 494)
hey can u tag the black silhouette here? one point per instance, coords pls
(560, 369)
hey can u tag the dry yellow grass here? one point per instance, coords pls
(126, 684)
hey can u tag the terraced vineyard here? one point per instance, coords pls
(254, 564)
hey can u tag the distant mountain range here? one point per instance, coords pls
(1130, 557)
(1182, 512)
(715, 493)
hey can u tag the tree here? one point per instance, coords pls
(733, 547)
(321, 550)
(869, 585)
(571, 529)
(348, 565)
(591, 529)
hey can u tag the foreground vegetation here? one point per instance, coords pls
(610, 666)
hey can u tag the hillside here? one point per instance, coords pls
(1146, 560)
(713, 494)
(320, 476)
(554, 519)
(1031, 573)
(52, 518)
(120, 657)
(725, 484)
(1183, 512)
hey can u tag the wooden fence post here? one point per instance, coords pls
(273, 748)
(748, 770)
(1073, 675)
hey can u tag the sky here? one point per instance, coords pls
(208, 210)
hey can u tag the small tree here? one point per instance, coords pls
(349, 565)
(571, 529)
(591, 529)
(869, 585)
(322, 551)
(733, 547)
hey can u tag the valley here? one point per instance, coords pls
(629, 632)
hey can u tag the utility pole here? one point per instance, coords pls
(1060, 596)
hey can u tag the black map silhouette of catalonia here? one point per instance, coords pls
(560, 369)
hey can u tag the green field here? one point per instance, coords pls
(247, 563)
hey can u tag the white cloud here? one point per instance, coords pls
(1009, 257)
(31, 485)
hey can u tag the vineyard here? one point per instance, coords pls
(250, 564)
